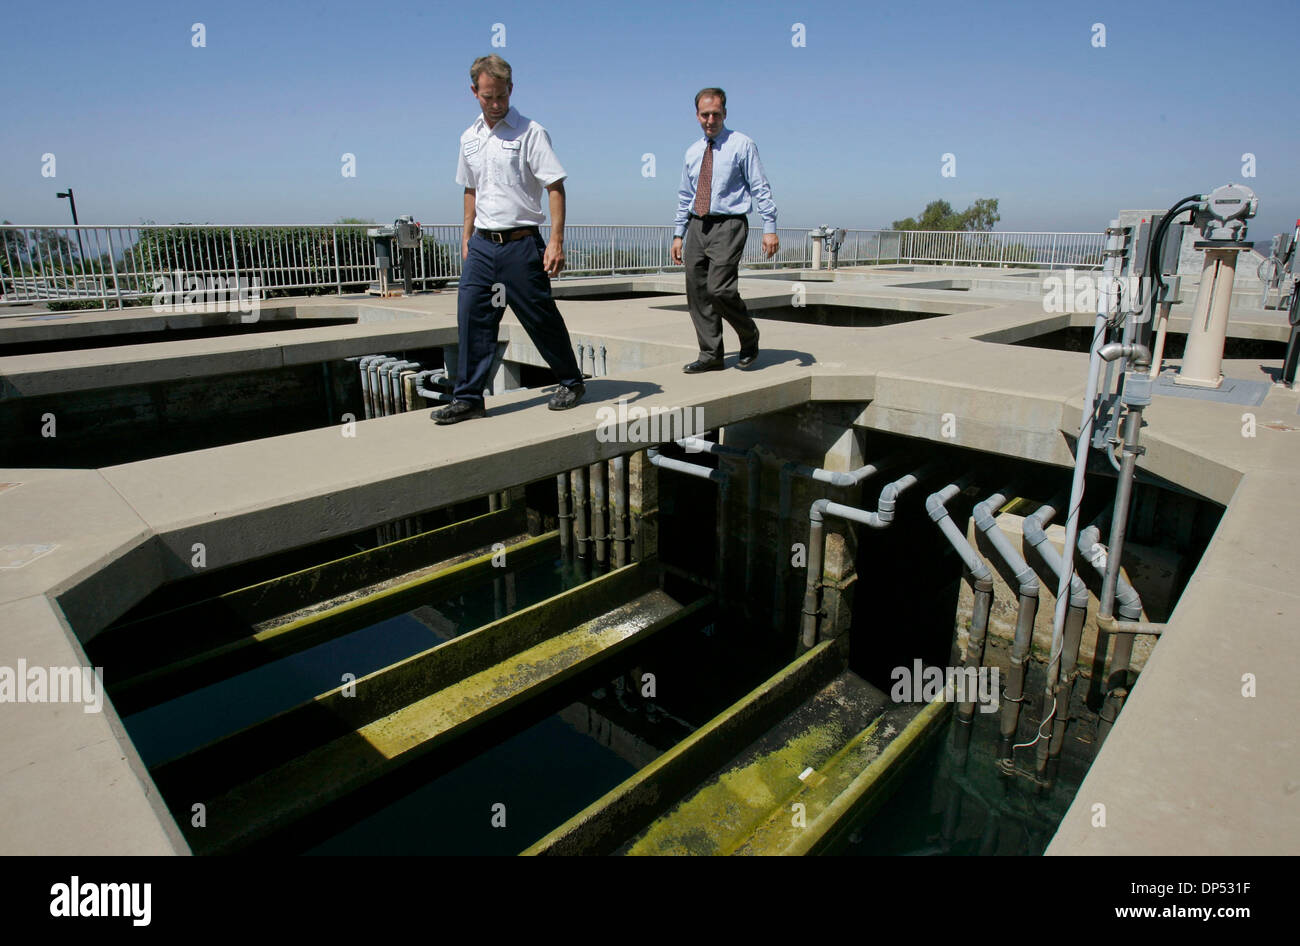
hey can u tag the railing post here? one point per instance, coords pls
(112, 262)
(338, 274)
(234, 260)
(1052, 262)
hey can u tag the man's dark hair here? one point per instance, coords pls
(711, 91)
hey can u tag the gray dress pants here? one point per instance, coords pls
(711, 253)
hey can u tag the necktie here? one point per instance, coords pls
(704, 189)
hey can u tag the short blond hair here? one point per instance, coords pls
(494, 66)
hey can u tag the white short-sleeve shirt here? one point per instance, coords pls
(509, 166)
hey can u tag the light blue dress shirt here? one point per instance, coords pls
(737, 177)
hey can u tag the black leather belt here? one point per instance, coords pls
(505, 236)
(744, 217)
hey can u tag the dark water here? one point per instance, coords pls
(542, 776)
(954, 804)
(197, 718)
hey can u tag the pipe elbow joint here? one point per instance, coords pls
(933, 505)
(817, 512)
(1078, 592)
(983, 516)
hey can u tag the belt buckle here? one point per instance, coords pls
(496, 237)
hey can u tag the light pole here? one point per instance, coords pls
(73, 202)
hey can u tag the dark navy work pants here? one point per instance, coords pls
(512, 273)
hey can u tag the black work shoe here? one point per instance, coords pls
(565, 398)
(695, 367)
(747, 358)
(457, 411)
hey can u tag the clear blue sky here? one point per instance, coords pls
(851, 127)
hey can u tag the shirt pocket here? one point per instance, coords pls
(511, 162)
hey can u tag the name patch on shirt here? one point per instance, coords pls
(511, 145)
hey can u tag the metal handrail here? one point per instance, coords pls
(123, 263)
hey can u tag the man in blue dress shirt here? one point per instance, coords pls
(722, 179)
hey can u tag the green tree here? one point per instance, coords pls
(939, 215)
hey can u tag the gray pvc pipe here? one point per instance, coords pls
(817, 538)
(380, 386)
(1027, 611)
(1117, 679)
(563, 516)
(788, 472)
(618, 467)
(367, 398)
(1077, 608)
(1128, 601)
(981, 581)
(580, 511)
(395, 375)
(600, 510)
(424, 378)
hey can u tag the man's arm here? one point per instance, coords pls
(762, 194)
(684, 195)
(471, 198)
(553, 260)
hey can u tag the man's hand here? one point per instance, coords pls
(553, 259)
(771, 243)
(464, 248)
(677, 250)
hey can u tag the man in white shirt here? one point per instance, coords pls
(505, 163)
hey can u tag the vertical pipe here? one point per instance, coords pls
(565, 518)
(599, 512)
(1158, 349)
(1117, 679)
(811, 604)
(365, 385)
(1069, 671)
(619, 470)
(1203, 355)
(1014, 694)
(1114, 247)
(580, 511)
